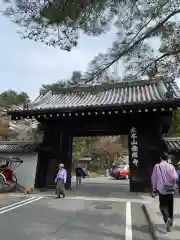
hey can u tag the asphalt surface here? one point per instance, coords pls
(70, 219)
(54, 219)
(7, 200)
(104, 188)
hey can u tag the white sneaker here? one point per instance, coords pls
(168, 225)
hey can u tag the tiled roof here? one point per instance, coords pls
(18, 147)
(121, 94)
(173, 143)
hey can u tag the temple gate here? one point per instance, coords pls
(142, 110)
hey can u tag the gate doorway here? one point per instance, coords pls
(105, 164)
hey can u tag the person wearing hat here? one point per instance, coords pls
(60, 181)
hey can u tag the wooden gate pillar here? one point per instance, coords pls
(66, 155)
(145, 147)
(48, 156)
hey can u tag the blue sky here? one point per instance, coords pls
(26, 65)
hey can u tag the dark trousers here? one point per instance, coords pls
(178, 188)
(60, 188)
(166, 205)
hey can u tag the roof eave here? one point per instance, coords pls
(170, 103)
(16, 152)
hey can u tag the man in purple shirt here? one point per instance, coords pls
(164, 178)
(60, 181)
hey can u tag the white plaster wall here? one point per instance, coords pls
(26, 172)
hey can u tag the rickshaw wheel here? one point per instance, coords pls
(2, 178)
(14, 178)
(2, 182)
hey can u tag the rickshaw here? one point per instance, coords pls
(8, 178)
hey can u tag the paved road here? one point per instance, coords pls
(11, 201)
(100, 188)
(104, 187)
(42, 218)
(54, 219)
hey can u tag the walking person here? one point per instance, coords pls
(164, 178)
(85, 171)
(178, 174)
(60, 181)
(79, 175)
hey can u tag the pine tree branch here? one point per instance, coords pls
(127, 50)
(168, 54)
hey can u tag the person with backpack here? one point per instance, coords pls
(79, 175)
(164, 179)
(178, 173)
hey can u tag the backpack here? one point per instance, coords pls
(168, 188)
(178, 180)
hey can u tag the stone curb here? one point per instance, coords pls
(152, 225)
